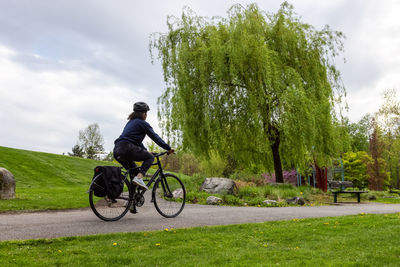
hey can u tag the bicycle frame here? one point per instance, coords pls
(152, 179)
(159, 174)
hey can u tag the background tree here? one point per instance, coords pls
(91, 141)
(359, 134)
(388, 117)
(356, 168)
(378, 177)
(254, 86)
(77, 151)
(109, 157)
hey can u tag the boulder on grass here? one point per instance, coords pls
(296, 200)
(218, 186)
(7, 184)
(212, 200)
(270, 202)
(178, 193)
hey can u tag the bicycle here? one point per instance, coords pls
(168, 194)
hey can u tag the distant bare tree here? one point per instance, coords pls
(91, 142)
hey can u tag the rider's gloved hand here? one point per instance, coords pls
(171, 151)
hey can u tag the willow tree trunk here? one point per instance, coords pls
(277, 160)
(397, 175)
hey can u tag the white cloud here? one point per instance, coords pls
(373, 59)
(45, 110)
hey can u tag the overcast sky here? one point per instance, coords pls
(65, 64)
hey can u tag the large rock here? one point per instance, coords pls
(296, 201)
(212, 200)
(270, 202)
(7, 184)
(218, 186)
(178, 193)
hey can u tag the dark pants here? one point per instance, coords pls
(127, 153)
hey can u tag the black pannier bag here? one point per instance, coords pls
(112, 183)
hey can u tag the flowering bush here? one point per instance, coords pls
(289, 177)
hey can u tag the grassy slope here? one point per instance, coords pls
(47, 181)
(361, 240)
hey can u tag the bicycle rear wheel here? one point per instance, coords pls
(169, 195)
(110, 209)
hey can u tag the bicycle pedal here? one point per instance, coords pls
(133, 211)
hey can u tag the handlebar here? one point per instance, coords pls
(160, 154)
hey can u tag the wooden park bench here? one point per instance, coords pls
(338, 187)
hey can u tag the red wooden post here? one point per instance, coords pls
(325, 180)
(322, 178)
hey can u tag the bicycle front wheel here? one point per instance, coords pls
(169, 195)
(110, 209)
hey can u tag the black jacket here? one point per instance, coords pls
(135, 131)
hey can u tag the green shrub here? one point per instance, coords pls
(256, 201)
(196, 197)
(189, 164)
(258, 180)
(171, 163)
(355, 168)
(214, 166)
(183, 162)
(194, 182)
(249, 192)
(232, 200)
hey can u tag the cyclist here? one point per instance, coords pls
(129, 148)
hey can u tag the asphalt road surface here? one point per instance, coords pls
(52, 224)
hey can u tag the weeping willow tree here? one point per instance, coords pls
(254, 87)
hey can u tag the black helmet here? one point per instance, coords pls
(140, 107)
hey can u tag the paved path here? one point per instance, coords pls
(84, 222)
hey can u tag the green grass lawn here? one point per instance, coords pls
(361, 240)
(388, 200)
(29, 199)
